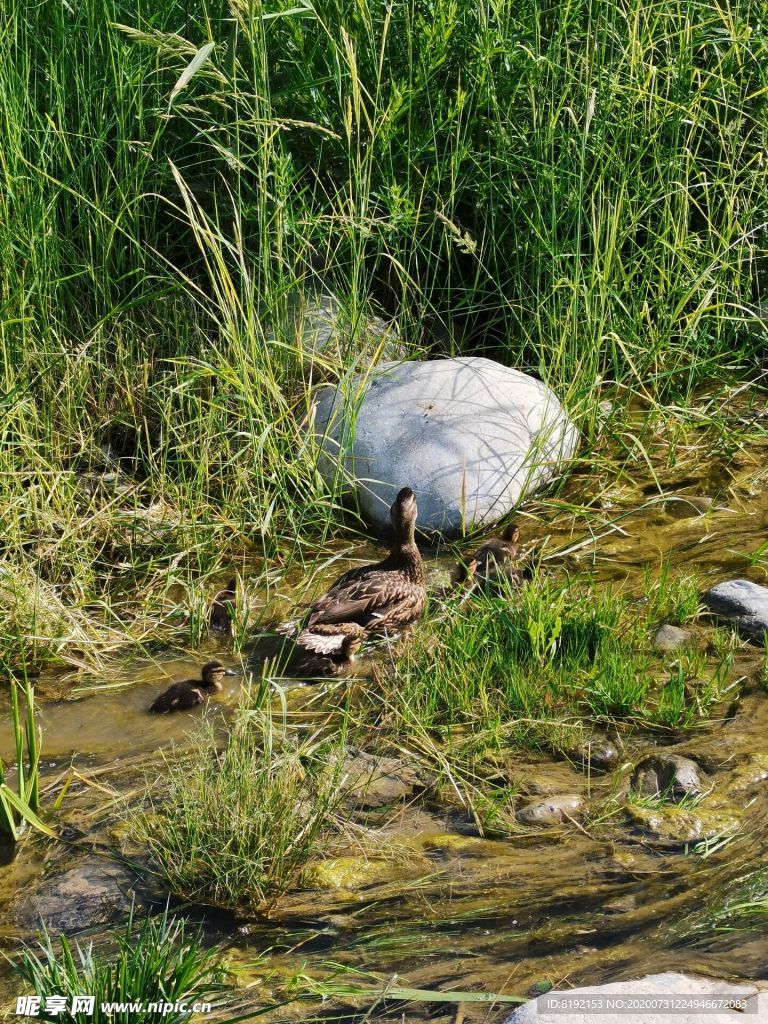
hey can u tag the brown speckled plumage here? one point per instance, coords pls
(384, 597)
(335, 657)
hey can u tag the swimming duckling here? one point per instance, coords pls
(334, 658)
(187, 694)
(491, 565)
(220, 615)
(383, 597)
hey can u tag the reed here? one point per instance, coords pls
(20, 802)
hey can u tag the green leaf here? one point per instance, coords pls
(191, 70)
(7, 794)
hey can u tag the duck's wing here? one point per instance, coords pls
(169, 699)
(328, 638)
(319, 643)
(362, 599)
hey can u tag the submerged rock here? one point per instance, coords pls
(572, 1006)
(359, 872)
(669, 638)
(675, 826)
(470, 436)
(93, 893)
(557, 809)
(742, 603)
(372, 781)
(595, 752)
(667, 775)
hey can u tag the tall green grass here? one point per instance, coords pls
(579, 190)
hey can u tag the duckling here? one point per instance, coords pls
(491, 564)
(220, 615)
(187, 694)
(316, 659)
(383, 597)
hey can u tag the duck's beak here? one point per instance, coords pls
(231, 672)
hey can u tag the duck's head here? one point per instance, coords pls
(512, 533)
(213, 673)
(403, 515)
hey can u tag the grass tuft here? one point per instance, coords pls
(161, 964)
(239, 824)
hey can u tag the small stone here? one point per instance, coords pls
(358, 872)
(687, 506)
(596, 752)
(742, 603)
(669, 638)
(621, 904)
(671, 825)
(554, 811)
(449, 844)
(669, 775)
(324, 330)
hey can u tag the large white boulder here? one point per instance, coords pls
(470, 436)
(668, 998)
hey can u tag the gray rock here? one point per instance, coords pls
(595, 752)
(94, 892)
(323, 328)
(670, 775)
(669, 638)
(553, 1007)
(372, 781)
(743, 603)
(554, 811)
(470, 436)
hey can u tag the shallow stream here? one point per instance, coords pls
(572, 904)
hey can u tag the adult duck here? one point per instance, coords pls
(384, 597)
(492, 565)
(190, 692)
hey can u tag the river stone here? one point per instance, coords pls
(93, 893)
(669, 638)
(552, 1007)
(360, 872)
(372, 781)
(470, 436)
(672, 825)
(324, 329)
(554, 811)
(595, 752)
(669, 775)
(743, 603)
